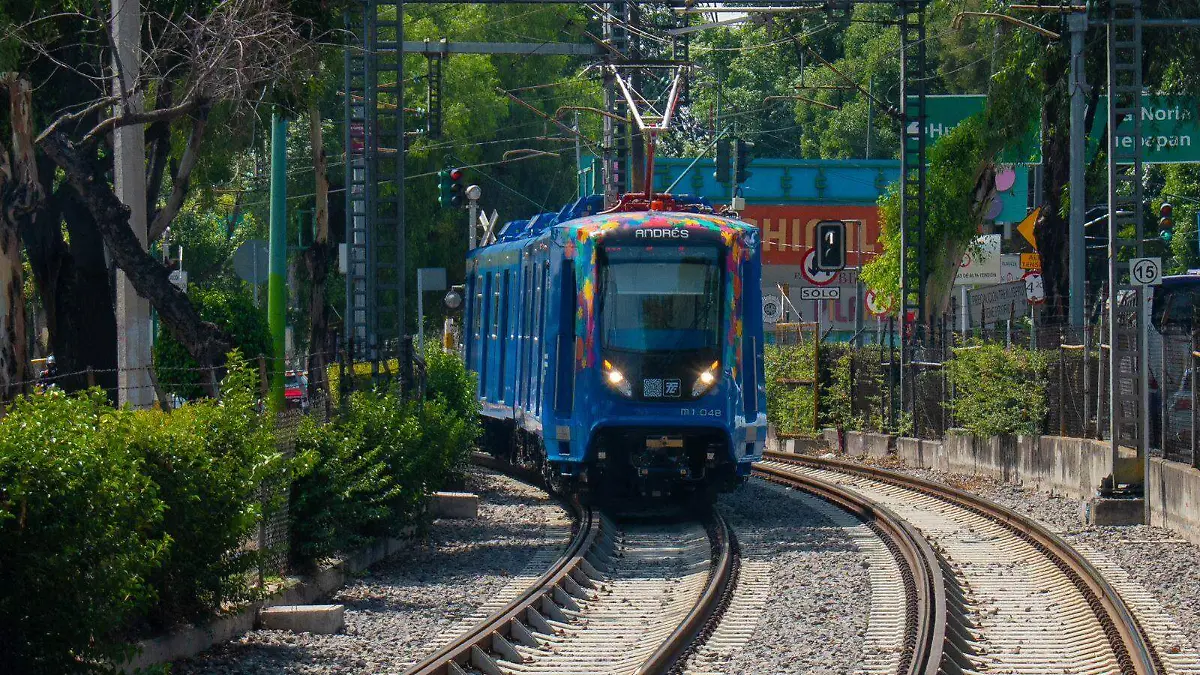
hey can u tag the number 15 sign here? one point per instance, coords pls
(1145, 271)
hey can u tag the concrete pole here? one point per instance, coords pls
(129, 179)
(277, 258)
(1077, 250)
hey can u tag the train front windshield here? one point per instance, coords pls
(660, 298)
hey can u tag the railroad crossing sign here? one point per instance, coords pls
(875, 304)
(814, 276)
(772, 309)
(1146, 271)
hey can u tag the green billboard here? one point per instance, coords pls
(1170, 132)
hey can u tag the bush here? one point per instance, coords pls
(208, 459)
(789, 405)
(998, 390)
(369, 473)
(80, 531)
(235, 314)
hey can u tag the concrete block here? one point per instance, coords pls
(856, 443)
(879, 445)
(454, 505)
(320, 619)
(1105, 511)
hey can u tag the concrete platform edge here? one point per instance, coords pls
(195, 639)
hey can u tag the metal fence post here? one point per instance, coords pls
(1062, 385)
(1195, 413)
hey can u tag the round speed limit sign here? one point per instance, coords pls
(1146, 271)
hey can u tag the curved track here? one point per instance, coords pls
(619, 600)
(1041, 606)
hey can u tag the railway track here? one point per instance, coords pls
(1017, 598)
(629, 599)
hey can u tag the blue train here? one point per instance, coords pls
(622, 352)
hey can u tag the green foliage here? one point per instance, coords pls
(80, 532)
(837, 402)
(209, 460)
(998, 390)
(235, 314)
(449, 380)
(367, 474)
(1182, 188)
(789, 401)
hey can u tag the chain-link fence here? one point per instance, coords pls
(863, 387)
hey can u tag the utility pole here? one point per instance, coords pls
(276, 288)
(1077, 249)
(129, 178)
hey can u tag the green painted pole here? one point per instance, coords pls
(277, 276)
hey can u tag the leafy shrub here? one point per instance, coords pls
(368, 474)
(837, 400)
(998, 390)
(235, 314)
(80, 531)
(789, 405)
(208, 460)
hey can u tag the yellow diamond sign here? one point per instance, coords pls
(1027, 225)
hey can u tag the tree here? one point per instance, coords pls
(198, 59)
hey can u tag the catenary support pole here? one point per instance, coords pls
(276, 289)
(129, 179)
(1077, 250)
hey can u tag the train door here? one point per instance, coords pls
(493, 375)
(540, 362)
(564, 367)
(502, 392)
(471, 320)
(527, 330)
(481, 330)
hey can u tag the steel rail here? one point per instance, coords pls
(704, 616)
(567, 578)
(496, 632)
(1127, 638)
(925, 587)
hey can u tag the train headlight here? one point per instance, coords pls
(615, 379)
(708, 377)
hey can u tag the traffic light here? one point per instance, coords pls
(831, 245)
(1165, 221)
(724, 170)
(741, 158)
(450, 188)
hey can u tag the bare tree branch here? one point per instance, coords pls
(180, 181)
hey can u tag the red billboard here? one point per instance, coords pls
(787, 230)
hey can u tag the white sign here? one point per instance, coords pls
(821, 293)
(179, 278)
(981, 263)
(1035, 287)
(1146, 271)
(772, 309)
(814, 276)
(1010, 268)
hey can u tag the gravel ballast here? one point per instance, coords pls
(809, 622)
(1164, 564)
(408, 605)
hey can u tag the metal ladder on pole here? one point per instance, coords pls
(375, 142)
(1125, 207)
(913, 209)
(433, 96)
(356, 318)
(616, 141)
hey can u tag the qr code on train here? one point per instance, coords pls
(652, 387)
